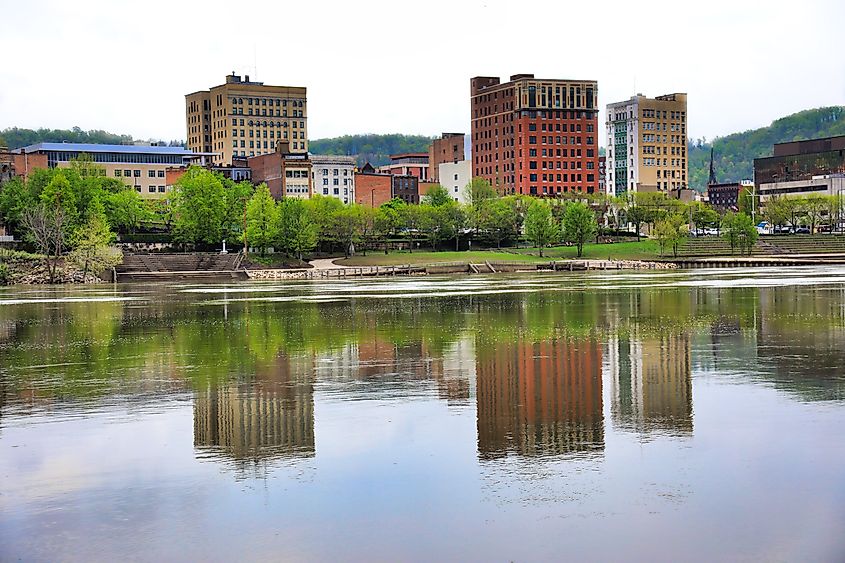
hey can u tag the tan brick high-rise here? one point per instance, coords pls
(243, 118)
(647, 144)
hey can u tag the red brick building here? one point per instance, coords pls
(448, 148)
(372, 188)
(407, 164)
(535, 136)
(375, 188)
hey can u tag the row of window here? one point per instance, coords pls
(532, 140)
(657, 114)
(152, 189)
(591, 153)
(265, 123)
(335, 181)
(267, 113)
(573, 127)
(560, 177)
(559, 165)
(336, 191)
(266, 102)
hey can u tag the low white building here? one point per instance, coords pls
(455, 176)
(828, 184)
(333, 176)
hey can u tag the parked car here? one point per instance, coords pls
(764, 228)
(712, 232)
(783, 230)
(802, 230)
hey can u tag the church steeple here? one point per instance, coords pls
(712, 179)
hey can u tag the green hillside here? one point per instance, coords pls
(16, 137)
(374, 149)
(735, 154)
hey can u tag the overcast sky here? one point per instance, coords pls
(384, 67)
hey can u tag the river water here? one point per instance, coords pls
(654, 416)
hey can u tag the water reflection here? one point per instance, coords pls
(251, 424)
(540, 398)
(651, 383)
(484, 415)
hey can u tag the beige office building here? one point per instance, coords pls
(142, 167)
(647, 144)
(242, 118)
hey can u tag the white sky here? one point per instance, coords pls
(387, 66)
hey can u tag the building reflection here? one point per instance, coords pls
(249, 424)
(651, 385)
(540, 398)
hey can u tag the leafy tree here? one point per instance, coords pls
(745, 201)
(236, 196)
(777, 210)
(368, 227)
(262, 219)
(540, 227)
(739, 230)
(345, 227)
(671, 231)
(437, 195)
(297, 230)
(815, 207)
(703, 216)
(579, 225)
(199, 207)
(454, 221)
(637, 215)
(388, 220)
(322, 209)
(479, 193)
(92, 251)
(126, 210)
(15, 198)
(498, 221)
(412, 222)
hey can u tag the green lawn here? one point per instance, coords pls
(643, 250)
(428, 257)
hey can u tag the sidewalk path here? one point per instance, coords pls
(325, 264)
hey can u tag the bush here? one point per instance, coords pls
(4, 274)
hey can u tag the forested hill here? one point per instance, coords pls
(374, 149)
(735, 154)
(15, 137)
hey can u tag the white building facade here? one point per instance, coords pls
(455, 176)
(333, 176)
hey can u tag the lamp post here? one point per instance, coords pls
(373, 198)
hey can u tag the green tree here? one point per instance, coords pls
(199, 207)
(388, 220)
(637, 215)
(703, 216)
(815, 208)
(540, 227)
(436, 196)
(92, 251)
(579, 225)
(479, 194)
(777, 210)
(322, 209)
(126, 210)
(236, 197)
(262, 219)
(739, 230)
(671, 231)
(412, 222)
(297, 230)
(345, 227)
(498, 221)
